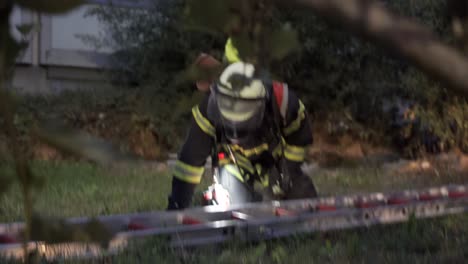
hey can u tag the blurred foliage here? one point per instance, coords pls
(16, 129)
(152, 46)
(337, 73)
(54, 231)
(130, 119)
(259, 37)
(337, 76)
(49, 6)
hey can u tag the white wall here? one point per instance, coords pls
(56, 58)
(66, 27)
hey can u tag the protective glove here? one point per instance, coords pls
(181, 195)
(300, 185)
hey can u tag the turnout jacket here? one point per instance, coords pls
(260, 153)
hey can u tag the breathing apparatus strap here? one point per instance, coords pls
(278, 125)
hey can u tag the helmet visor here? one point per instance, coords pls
(240, 116)
(238, 109)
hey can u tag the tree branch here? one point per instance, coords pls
(402, 36)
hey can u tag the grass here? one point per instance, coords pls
(376, 179)
(81, 189)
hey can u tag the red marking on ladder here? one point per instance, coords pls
(136, 226)
(458, 194)
(325, 207)
(190, 221)
(283, 212)
(429, 197)
(367, 204)
(6, 239)
(398, 200)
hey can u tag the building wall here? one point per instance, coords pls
(57, 59)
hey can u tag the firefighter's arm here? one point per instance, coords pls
(297, 130)
(190, 163)
(298, 135)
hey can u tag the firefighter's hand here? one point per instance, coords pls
(181, 195)
(301, 185)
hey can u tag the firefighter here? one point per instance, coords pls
(256, 131)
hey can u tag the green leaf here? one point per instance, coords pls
(283, 42)
(50, 230)
(245, 46)
(7, 102)
(50, 6)
(81, 144)
(5, 182)
(9, 50)
(54, 231)
(195, 73)
(211, 15)
(26, 28)
(97, 232)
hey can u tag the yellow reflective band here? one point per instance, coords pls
(234, 172)
(188, 173)
(236, 116)
(265, 180)
(245, 175)
(259, 169)
(230, 52)
(253, 151)
(264, 177)
(244, 163)
(202, 122)
(294, 153)
(278, 149)
(296, 124)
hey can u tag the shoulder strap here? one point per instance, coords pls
(280, 91)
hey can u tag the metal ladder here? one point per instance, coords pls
(251, 222)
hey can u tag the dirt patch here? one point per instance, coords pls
(42, 151)
(346, 149)
(455, 160)
(338, 150)
(128, 132)
(133, 133)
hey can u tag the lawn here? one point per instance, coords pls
(80, 189)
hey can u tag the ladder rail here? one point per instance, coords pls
(256, 221)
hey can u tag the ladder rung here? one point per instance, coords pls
(256, 221)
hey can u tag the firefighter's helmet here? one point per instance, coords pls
(241, 99)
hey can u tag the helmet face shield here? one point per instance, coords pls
(238, 109)
(240, 117)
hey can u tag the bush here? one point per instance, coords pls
(334, 72)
